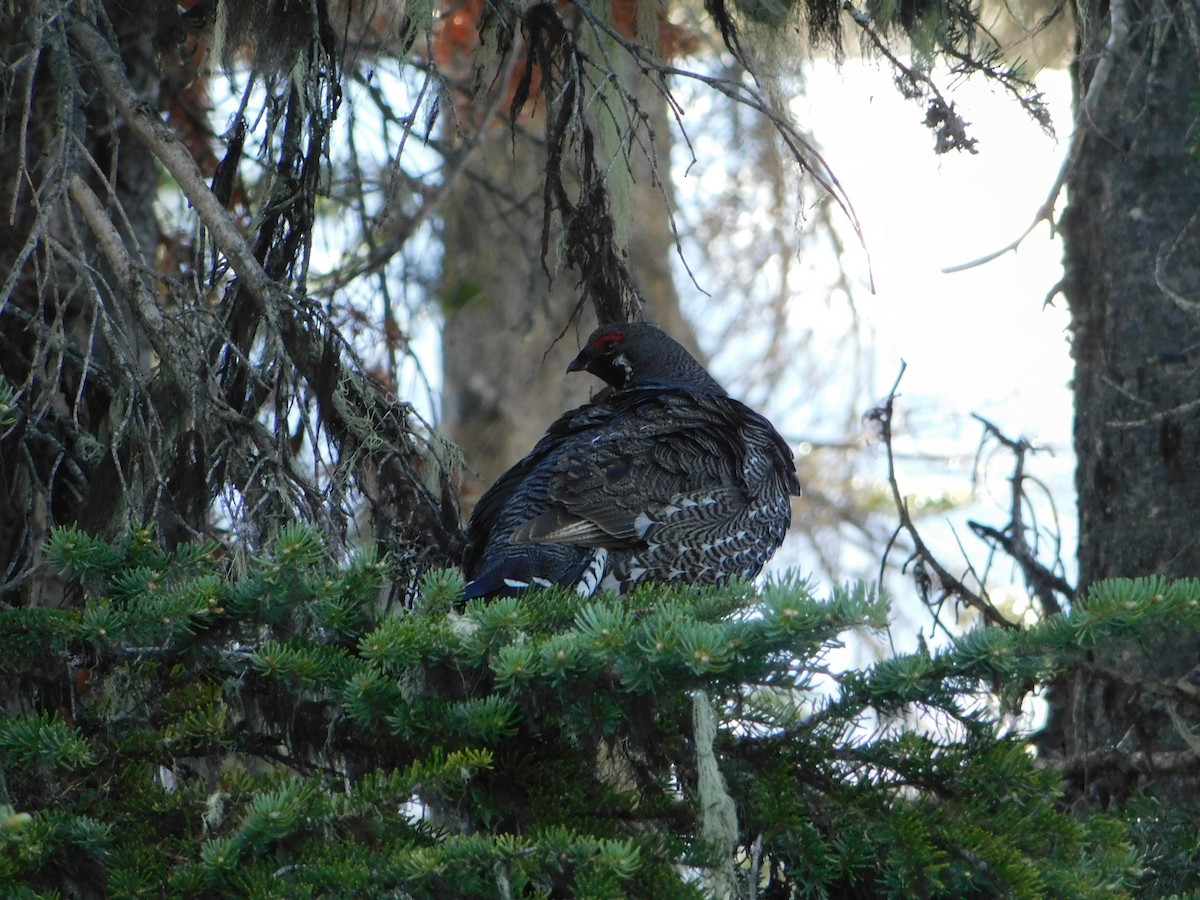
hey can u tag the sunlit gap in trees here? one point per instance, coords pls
(980, 341)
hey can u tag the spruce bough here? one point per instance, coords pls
(282, 732)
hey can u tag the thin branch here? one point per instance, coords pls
(358, 415)
(948, 585)
(1045, 213)
(122, 263)
(1117, 36)
(1165, 252)
(1042, 581)
(801, 149)
(805, 154)
(148, 125)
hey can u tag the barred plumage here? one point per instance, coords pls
(662, 477)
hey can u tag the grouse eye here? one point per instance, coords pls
(607, 341)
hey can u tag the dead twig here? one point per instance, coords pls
(925, 565)
(1012, 539)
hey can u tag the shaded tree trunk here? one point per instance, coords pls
(503, 361)
(511, 326)
(64, 335)
(1132, 279)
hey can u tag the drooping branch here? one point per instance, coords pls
(801, 148)
(361, 420)
(148, 125)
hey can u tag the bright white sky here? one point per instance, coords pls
(980, 341)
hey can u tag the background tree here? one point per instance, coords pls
(513, 312)
(1130, 238)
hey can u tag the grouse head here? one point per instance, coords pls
(640, 355)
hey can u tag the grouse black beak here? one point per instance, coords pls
(578, 364)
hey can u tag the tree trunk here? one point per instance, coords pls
(503, 361)
(511, 327)
(1132, 279)
(69, 342)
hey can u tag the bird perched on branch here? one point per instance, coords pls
(662, 477)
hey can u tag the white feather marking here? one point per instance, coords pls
(592, 576)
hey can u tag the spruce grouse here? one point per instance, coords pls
(662, 477)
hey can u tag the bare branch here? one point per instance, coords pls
(925, 564)
(1117, 36)
(148, 125)
(1044, 583)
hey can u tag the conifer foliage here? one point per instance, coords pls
(281, 731)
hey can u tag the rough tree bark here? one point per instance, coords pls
(502, 356)
(1132, 278)
(61, 338)
(513, 320)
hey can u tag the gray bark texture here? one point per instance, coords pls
(1132, 278)
(511, 326)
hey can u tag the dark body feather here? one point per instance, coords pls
(662, 477)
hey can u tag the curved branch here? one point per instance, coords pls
(926, 561)
(353, 408)
(148, 125)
